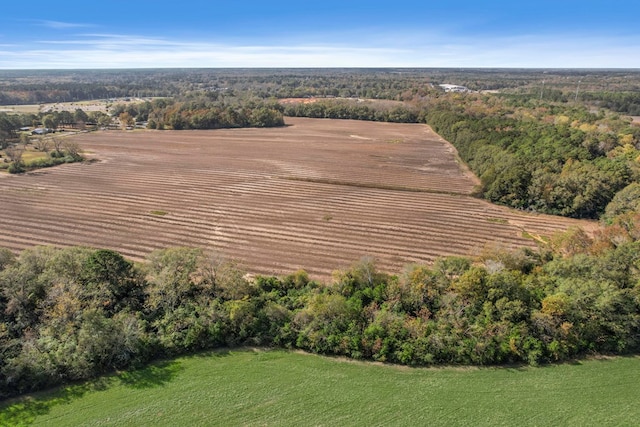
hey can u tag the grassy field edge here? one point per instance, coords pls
(248, 386)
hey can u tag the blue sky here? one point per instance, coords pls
(325, 33)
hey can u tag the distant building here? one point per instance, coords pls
(41, 131)
(454, 88)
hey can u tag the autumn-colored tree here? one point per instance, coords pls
(126, 120)
(73, 150)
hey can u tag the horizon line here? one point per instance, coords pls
(330, 68)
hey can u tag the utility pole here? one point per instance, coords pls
(577, 90)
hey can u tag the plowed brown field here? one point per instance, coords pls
(317, 194)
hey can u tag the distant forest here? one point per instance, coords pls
(614, 89)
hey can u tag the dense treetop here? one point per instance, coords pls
(559, 159)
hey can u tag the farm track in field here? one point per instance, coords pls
(317, 194)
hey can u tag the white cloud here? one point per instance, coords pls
(59, 25)
(212, 56)
(120, 51)
(426, 50)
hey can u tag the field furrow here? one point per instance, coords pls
(318, 195)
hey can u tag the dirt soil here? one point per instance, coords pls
(317, 194)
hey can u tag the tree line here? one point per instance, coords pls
(10, 124)
(202, 113)
(562, 160)
(71, 314)
(353, 109)
(622, 102)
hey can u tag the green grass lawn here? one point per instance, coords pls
(31, 155)
(244, 387)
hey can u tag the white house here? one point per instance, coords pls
(454, 88)
(41, 131)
